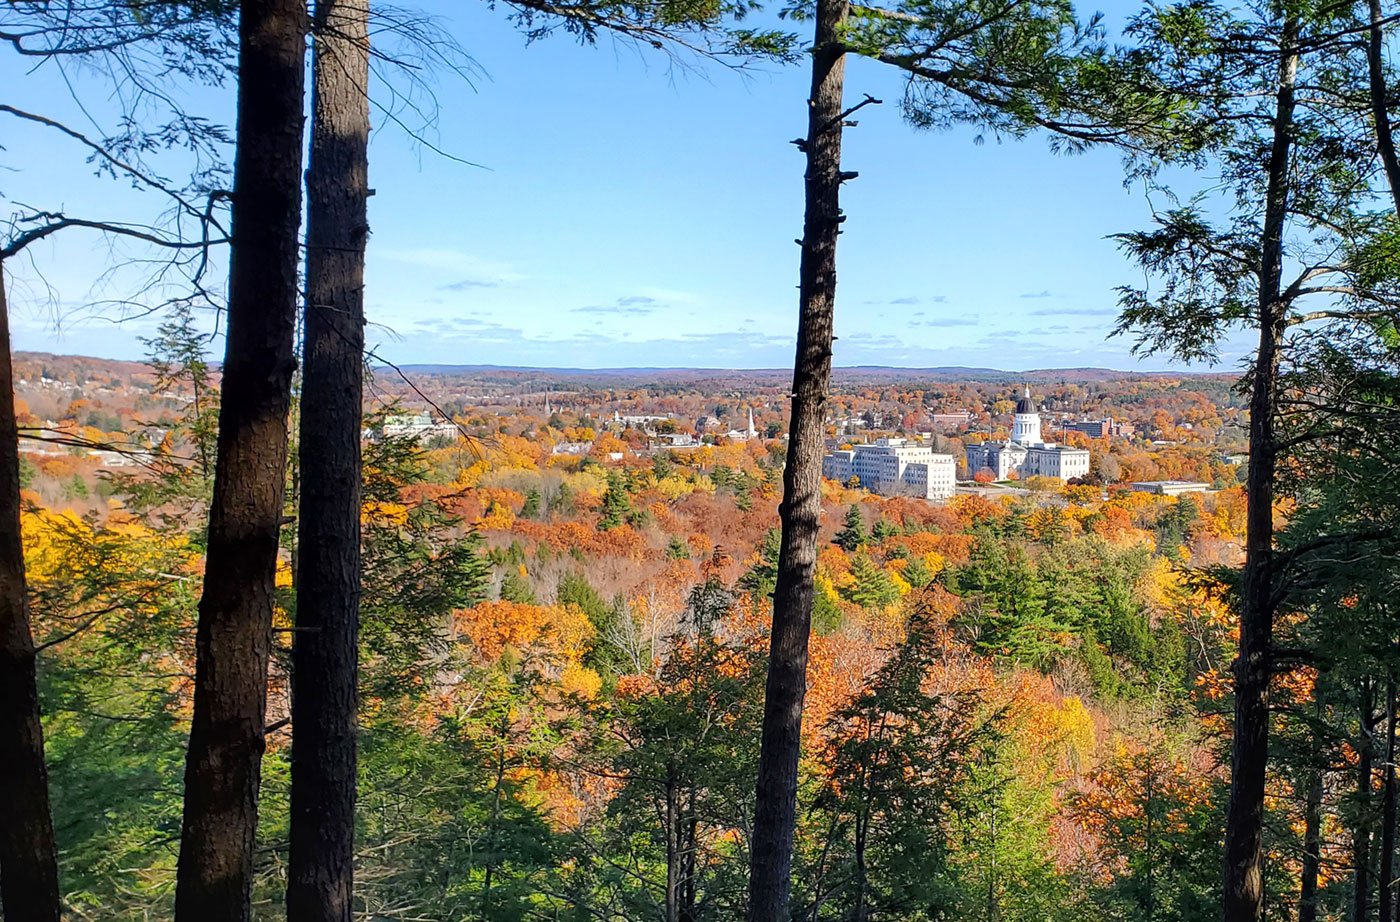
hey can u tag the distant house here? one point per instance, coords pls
(1169, 487)
(950, 420)
(644, 423)
(421, 426)
(1101, 428)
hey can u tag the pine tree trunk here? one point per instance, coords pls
(325, 652)
(1244, 826)
(224, 761)
(775, 808)
(673, 858)
(1385, 907)
(1380, 115)
(690, 866)
(1361, 831)
(1312, 849)
(1312, 824)
(28, 863)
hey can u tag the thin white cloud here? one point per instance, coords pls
(456, 261)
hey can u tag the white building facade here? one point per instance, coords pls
(1025, 454)
(895, 466)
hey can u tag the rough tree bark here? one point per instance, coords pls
(1361, 831)
(28, 864)
(224, 761)
(1386, 906)
(325, 656)
(1244, 825)
(1380, 114)
(775, 808)
(1312, 823)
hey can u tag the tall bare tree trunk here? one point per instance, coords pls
(1386, 906)
(1312, 823)
(775, 809)
(325, 652)
(28, 863)
(1244, 826)
(1380, 114)
(1361, 831)
(673, 847)
(224, 762)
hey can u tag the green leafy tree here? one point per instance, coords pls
(898, 756)
(763, 576)
(827, 616)
(27, 472)
(684, 755)
(1161, 825)
(603, 654)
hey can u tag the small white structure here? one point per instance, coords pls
(895, 466)
(1169, 487)
(421, 427)
(1025, 454)
(743, 435)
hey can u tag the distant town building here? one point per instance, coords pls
(1025, 454)
(743, 435)
(895, 466)
(1108, 427)
(421, 427)
(1169, 487)
(950, 420)
(644, 423)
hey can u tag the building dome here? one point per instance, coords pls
(1025, 404)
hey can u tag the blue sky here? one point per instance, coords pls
(630, 213)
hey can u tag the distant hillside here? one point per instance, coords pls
(855, 374)
(78, 368)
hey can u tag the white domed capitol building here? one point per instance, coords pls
(1025, 454)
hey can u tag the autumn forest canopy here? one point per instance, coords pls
(290, 631)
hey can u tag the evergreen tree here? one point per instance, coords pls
(899, 754)
(1291, 161)
(852, 537)
(516, 589)
(684, 757)
(917, 573)
(531, 507)
(325, 649)
(760, 580)
(233, 642)
(616, 504)
(872, 586)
